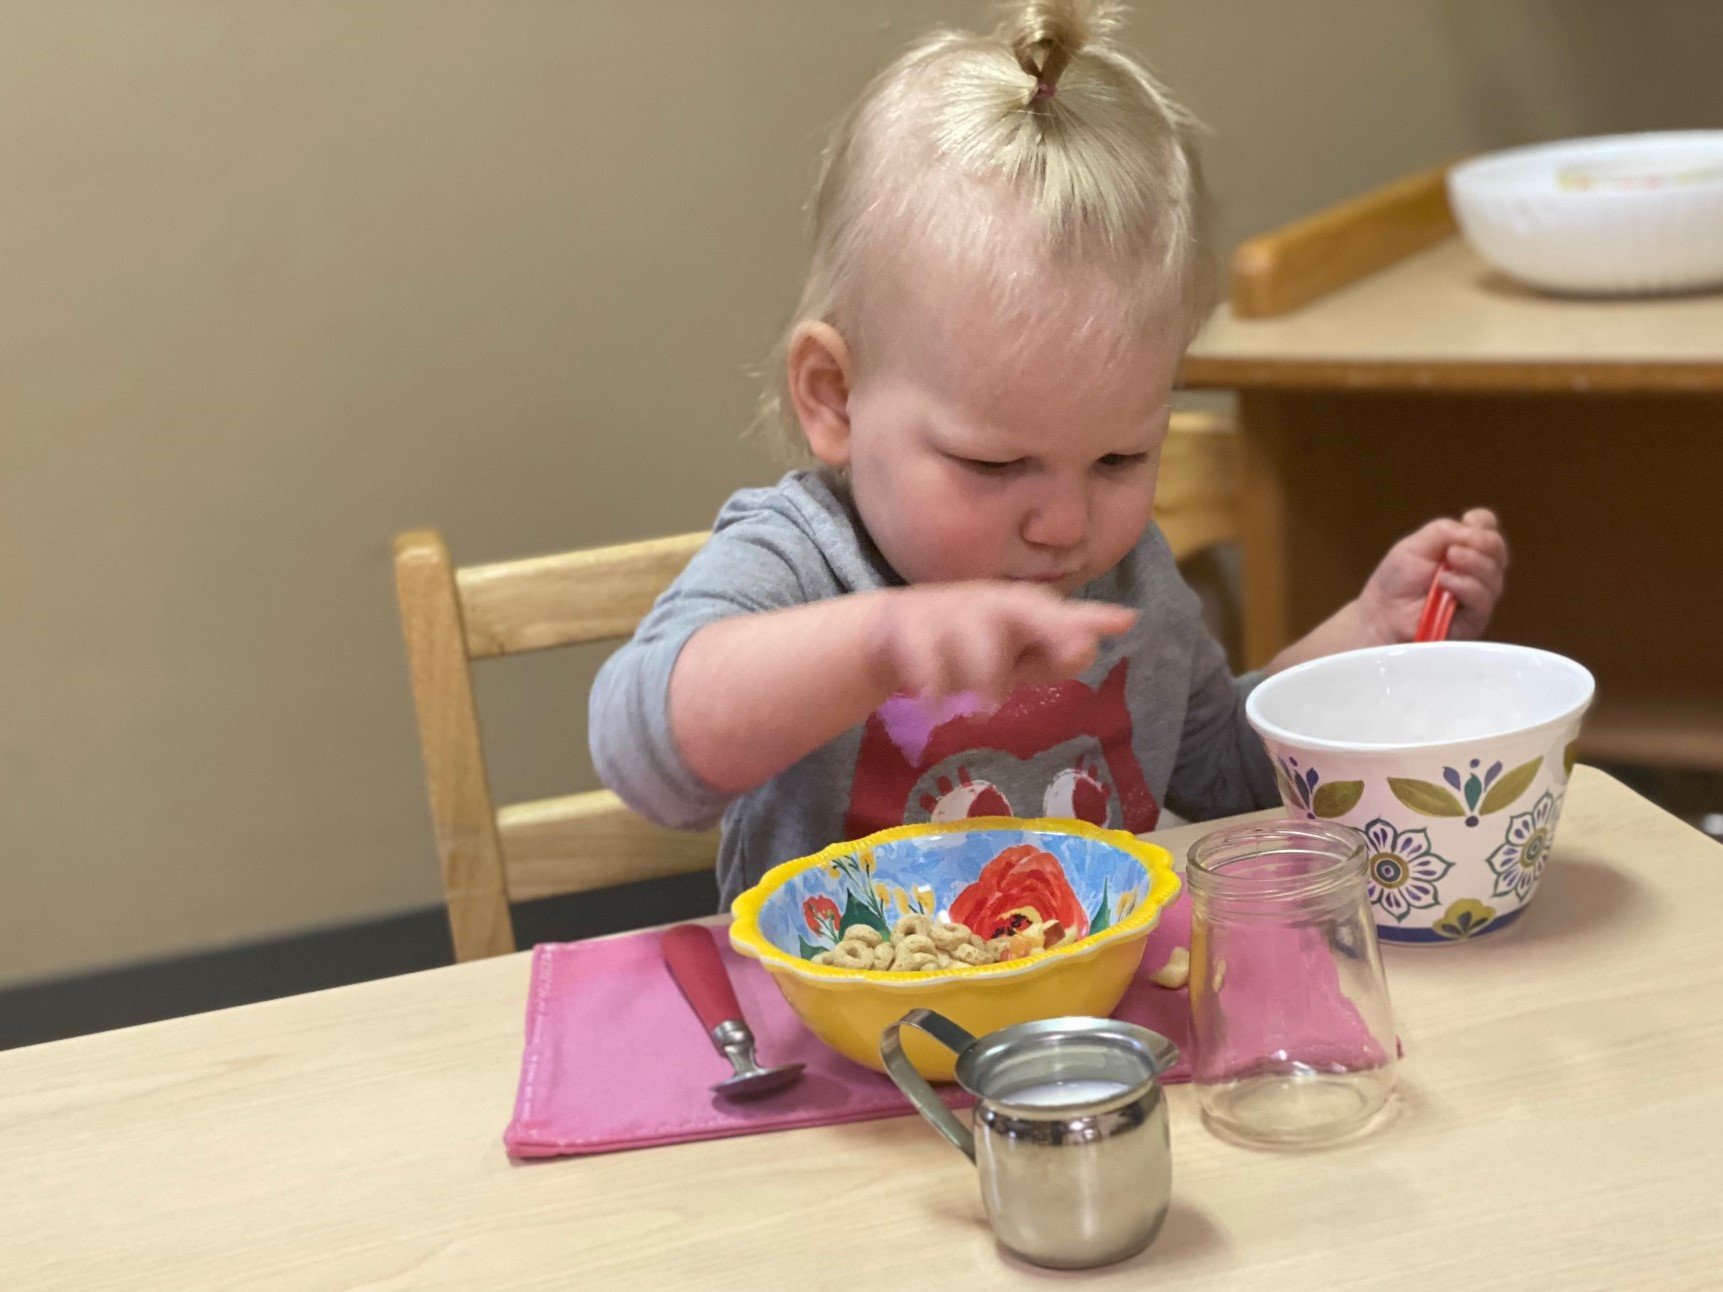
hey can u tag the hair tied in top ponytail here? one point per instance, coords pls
(1045, 35)
(1018, 164)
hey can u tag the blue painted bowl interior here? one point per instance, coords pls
(925, 874)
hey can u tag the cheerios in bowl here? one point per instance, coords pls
(991, 921)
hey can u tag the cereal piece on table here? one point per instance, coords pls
(866, 934)
(1176, 972)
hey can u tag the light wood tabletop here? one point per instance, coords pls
(1559, 1124)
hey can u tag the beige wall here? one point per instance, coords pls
(278, 279)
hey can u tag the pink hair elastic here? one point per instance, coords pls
(1044, 89)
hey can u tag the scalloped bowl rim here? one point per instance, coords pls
(1164, 885)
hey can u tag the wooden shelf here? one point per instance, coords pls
(1443, 320)
(1386, 374)
(1445, 305)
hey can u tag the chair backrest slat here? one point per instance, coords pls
(574, 597)
(580, 842)
(1196, 502)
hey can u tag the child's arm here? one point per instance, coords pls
(1386, 612)
(752, 694)
(757, 654)
(1222, 766)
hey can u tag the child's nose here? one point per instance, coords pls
(1059, 517)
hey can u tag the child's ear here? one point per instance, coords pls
(820, 375)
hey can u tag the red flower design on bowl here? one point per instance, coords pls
(1023, 885)
(822, 915)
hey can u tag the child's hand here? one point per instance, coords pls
(1477, 557)
(986, 637)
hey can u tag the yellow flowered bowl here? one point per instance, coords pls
(996, 873)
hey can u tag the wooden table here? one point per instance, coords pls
(1386, 375)
(1559, 1124)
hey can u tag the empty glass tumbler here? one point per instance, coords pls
(1292, 1037)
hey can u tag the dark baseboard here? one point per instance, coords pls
(334, 957)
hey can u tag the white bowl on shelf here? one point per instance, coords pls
(1615, 215)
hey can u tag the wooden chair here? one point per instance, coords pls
(452, 617)
(571, 844)
(1196, 499)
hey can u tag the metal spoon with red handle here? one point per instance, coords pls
(694, 963)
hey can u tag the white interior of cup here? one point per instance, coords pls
(1438, 693)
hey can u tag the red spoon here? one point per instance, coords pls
(1438, 613)
(694, 963)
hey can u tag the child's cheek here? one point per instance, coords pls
(971, 535)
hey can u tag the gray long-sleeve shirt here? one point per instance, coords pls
(1157, 719)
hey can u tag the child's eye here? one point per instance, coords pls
(990, 468)
(1121, 461)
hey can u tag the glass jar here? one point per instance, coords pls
(1292, 1037)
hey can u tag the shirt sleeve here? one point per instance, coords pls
(758, 563)
(1222, 767)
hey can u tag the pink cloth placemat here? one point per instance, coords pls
(616, 1059)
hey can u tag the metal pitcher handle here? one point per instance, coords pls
(911, 1082)
(1163, 1052)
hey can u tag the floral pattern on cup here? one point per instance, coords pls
(1403, 869)
(1303, 787)
(1519, 862)
(1464, 918)
(1434, 875)
(1474, 795)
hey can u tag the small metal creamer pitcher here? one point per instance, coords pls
(1070, 1135)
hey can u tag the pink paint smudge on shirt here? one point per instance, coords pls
(911, 720)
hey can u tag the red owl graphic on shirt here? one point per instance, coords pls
(1060, 751)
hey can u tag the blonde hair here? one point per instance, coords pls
(1041, 159)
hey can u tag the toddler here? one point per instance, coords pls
(962, 606)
